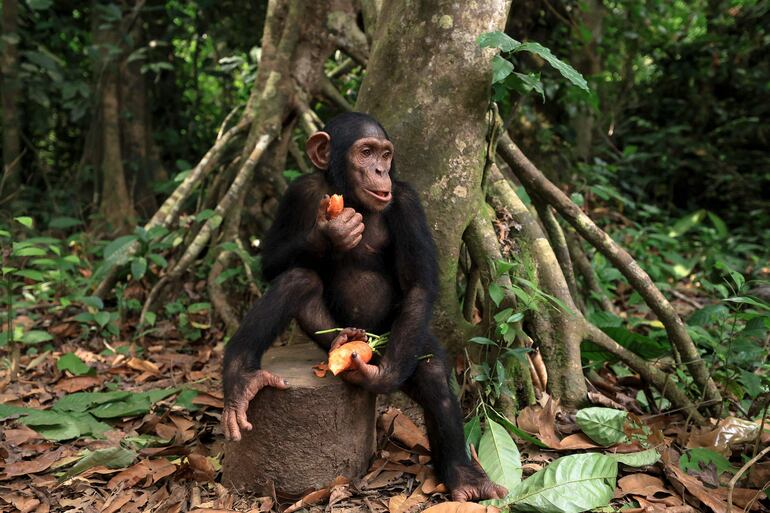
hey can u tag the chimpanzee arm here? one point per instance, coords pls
(293, 240)
(417, 272)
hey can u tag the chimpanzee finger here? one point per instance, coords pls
(275, 381)
(345, 216)
(231, 425)
(353, 243)
(243, 422)
(369, 372)
(354, 334)
(341, 340)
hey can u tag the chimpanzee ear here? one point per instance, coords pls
(318, 148)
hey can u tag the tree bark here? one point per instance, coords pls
(428, 83)
(115, 205)
(9, 88)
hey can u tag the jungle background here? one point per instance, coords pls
(595, 172)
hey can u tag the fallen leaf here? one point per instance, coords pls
(130, 476)
(23, 503)
(142, 365)
(461, 507)
(401, 427)
(384, 479)
(39, 464)
(309, 499)
(541, 421)
(21, 435)
(642, 484)
(206, 399)
(116, 502)
(203, 470)
(403, 504)
(77, 384)
(431, 486)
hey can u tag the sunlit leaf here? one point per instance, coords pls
(499, 455)
(603, 425)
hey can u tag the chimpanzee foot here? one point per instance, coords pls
(470, 483)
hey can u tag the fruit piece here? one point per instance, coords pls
(340, 359)
(335, 206)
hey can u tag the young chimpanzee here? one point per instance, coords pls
(373, 267)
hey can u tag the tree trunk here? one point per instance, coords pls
(428, 82)
(115, 205)
(9, 87)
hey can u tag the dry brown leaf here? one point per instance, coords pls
(186, 427)
(21, 435)
(431, 486)
(401, 427)
(23, 503)
(642, 484)
(403, 504)
(203, 469)
(207, 399)
(160, 468)
(541, 421)
(39, 464)
(142, 365)
(384, 479)
(130, 476)
(116, 502)
(77, 384)
(165, 431)
(461, 507)
(309, 499)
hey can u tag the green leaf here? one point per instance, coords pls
(571, 484)
(496, 293)
(24, 220)
(53, 425)
(565, 69)
(483, 341)
(134, 405)
(603, 425)
(39, 5)
(637, 459)
(719, 225)
(102, 318)
(31, 274)
(112, 457)
(116, 252)
(686, 223)
(28, 251)
(513, 428)
(472, 430)
(499, 40)
(71, 362)
(501, 68)
(184, 399)
(64, 222)
(84, 401)
(138, 267)
(499, 455)
(199, 307)
(35, 337)
(696, 458)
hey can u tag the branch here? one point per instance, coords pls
(536, 183)
(330, 91)
(659, 379)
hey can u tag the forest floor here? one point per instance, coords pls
(138, 429)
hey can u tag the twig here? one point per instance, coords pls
(737, 476)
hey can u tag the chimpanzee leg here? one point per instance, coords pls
(294, 294)
(429, 387)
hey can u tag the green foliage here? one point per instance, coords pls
(499, 455)
(603, 425)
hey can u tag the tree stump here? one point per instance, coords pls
(305, 436)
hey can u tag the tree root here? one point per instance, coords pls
(537, 184)
(586, 270)
(203, 236)
(173, 204)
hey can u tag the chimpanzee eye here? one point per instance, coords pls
(386, 155)
(366, 152)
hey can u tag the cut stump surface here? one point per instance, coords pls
(305, 436)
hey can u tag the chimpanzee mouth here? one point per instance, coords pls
(380, 195)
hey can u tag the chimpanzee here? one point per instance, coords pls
(373, 267)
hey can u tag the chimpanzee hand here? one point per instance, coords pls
(237, 402)
(344, 231)
(347, 335)
(362, 373)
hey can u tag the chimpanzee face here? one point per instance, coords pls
(368, 172)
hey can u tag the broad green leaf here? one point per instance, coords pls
(719, 225)
(112, 457)
(499, 455)
(6, 410)
(571, 484)
(29, 251)
(496, 293)
(184, 399)
(513, 428)
(138, 267)
(64, 222)
(71, 362)
(24, 220)
(499, 40)
(484, 341)
(562, 67)
(36, 337)
(696, 458)
(686, 223)
(603, 425)
(117, 251)
(84, 401)
(501, 68)
(102, 318)
(53, 425)
(30, 274)
(136, 404)
(472, 430)
(637, 459)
